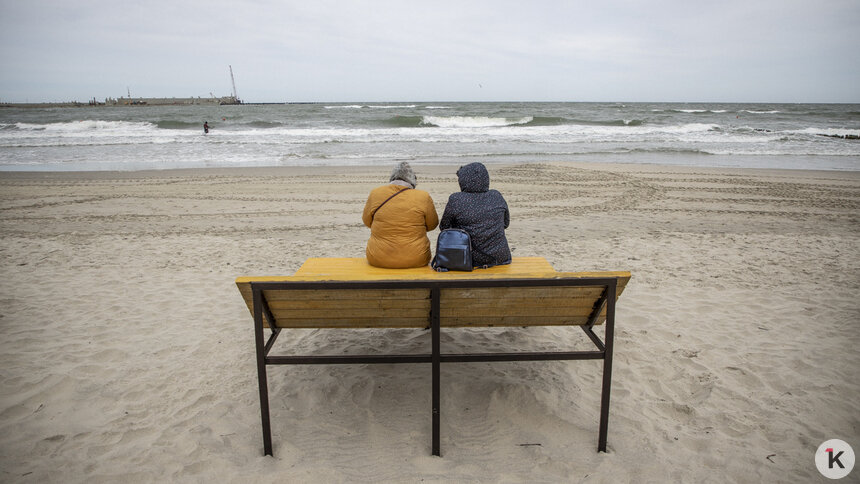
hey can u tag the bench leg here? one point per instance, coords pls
(434, 335)
(609, 338)
(261, 372)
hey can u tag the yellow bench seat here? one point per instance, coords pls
(410, 307)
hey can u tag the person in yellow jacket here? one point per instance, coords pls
(399, 218)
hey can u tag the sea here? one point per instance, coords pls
(790, 136)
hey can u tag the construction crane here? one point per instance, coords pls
(233, 80)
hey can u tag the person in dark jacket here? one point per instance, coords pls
(481, 212)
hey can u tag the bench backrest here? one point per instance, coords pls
(560, 298)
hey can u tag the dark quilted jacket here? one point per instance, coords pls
(481, 212)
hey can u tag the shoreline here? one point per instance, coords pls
(738, 326)
(421, 165)
(803, 163)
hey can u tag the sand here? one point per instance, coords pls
(126, 351)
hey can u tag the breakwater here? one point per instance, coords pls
(132, 101)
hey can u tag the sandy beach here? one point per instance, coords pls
(127, 353)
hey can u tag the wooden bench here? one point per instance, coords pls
(349, 293)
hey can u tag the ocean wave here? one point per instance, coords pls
(474, 121)
(461, 130)
(218, 125)
(440, 131)
(780, 135)
(173, 124)
(372, 106)
(678, 128)
(547, 121)
(851, 134)
(85, 125)
(691, 111)
(664, 149)
(29, 127)
(392, 107)
(84, 142)
(494, 122)
(404, 121)
(409, 129)
(263, 124)
(611, 122)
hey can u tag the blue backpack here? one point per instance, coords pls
(453, 251)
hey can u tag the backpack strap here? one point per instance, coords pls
(372, 214)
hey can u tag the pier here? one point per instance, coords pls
(132, 101)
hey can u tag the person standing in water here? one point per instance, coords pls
(205, 127)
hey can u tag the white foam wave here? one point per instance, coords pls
(88, 133)
(675, 129)
(760, 112)
(473, 121)
(86, 125)
(695, 111)
(457, 129)
(832, 132)
(29, 127)
(371, 106)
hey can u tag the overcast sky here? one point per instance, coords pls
(322, 50)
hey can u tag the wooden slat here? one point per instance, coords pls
(337, 313)
(354, 323)
(504, 311)
(349, 304)
(521, 292)
(342, 294)
(513, 321)
(517, 302)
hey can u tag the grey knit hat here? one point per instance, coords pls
(402, 171)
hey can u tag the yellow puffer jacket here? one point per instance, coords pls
(398, 231)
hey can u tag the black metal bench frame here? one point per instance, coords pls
(603, 351)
